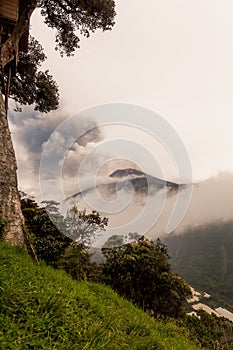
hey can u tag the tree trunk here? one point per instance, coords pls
(11, 217)
(9, 49)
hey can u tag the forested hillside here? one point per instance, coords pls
(204, 257)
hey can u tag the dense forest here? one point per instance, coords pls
(203, 255)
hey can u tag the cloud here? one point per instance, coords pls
(212, 199)
(31, 132)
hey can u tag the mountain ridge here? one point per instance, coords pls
(142, 183)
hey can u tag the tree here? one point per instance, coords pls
(31, 86)
(47, 240)
(114, 241)
(203, 255)
(83, 228)
(210, 331)
(117, 240)
(140, 272)
(43, 239)
(67, 17)
(76, 261)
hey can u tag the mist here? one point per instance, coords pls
(31, 131)
(132, 211)
(132, 203)
(212, 201)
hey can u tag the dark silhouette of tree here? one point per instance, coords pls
(83, 228)
(114, 241)
(31, 86)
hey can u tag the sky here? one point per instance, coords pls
(172, 58)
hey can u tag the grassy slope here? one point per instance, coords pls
(45, 309)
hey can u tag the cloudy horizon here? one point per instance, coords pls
(90, 159)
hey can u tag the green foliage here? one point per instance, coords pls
(76, 261)
(71, 16)
(209, 330)
(114, 241)
(117, 240)
(204, 257)
(68, 17)
(133, 236)
(140, 272)
(52, 208)
(83, 228)
(42, 308)
(31, 86)
(48, 240)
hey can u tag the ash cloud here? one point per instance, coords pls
(31, 131)
(94, 135)
(212, 199)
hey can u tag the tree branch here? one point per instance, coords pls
(9, 49)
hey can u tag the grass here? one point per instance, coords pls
(42, 308)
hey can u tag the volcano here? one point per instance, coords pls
(128, 178)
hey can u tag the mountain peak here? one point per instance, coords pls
(126, 172)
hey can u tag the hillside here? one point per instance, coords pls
(204, 257)
(42, 308)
